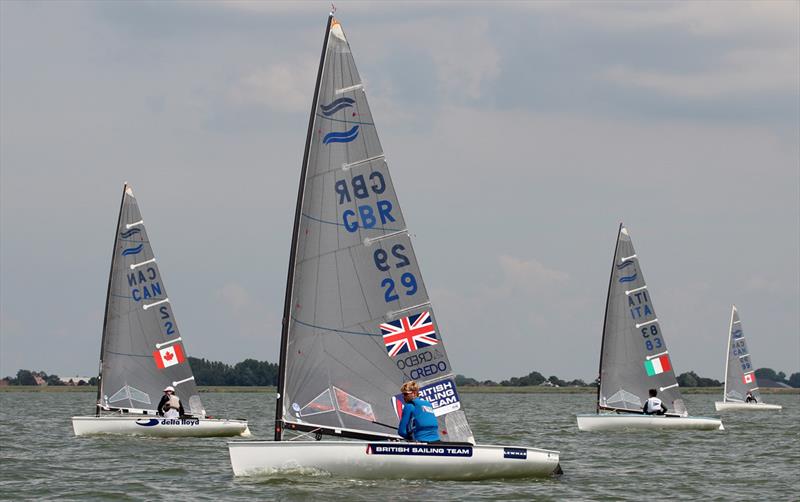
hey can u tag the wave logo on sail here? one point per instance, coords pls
(336, 105)
(133, 250)
(409, 334)
(129, 233)
(341, 137)
(627, 278)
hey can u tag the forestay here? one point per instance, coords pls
(142, 351)
(360, 322)
(634, 356)
(740, 377)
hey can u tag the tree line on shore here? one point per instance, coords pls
(251, 372)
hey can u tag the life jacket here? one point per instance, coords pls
(173, 403)
(653, 405)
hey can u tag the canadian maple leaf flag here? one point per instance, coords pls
(169, 356)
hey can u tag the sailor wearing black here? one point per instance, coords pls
(654, 406)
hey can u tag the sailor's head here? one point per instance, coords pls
(653, 393)
(410, 390)
(169, 389)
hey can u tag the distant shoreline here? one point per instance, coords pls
(465, 389)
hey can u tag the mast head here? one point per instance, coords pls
(336, 29)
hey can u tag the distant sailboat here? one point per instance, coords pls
(740, 376)
(358, 321)
(142, 351)
(634, 356)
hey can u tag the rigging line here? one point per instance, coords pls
(129, 355)
(345, 121)
(393, 427)
(342, 224)
(334, 330)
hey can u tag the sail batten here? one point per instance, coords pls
(357, 317)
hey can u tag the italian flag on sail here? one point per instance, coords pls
(657, 365)
(169, 356)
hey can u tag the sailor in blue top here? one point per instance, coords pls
(418, 422)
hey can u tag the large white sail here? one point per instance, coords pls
(142, 350)
(634, 356)
(358, 321)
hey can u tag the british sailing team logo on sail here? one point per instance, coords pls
(409, 334)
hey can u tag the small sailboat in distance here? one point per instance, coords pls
(357, 319)
(142, 351)
(634, 357)
(740, 377)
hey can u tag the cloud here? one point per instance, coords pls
(282, 87)
(768, 19)
(531, 274)
(462, 54)
(740, 71)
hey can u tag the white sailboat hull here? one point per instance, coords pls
(630, 421)
(734, 406)
(148, 425)
(390, 460)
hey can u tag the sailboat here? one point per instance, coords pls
(634, 356)
(357, 318)
(740, 376)
(142, 351)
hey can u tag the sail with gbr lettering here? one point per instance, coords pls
(142, 351)
(358, 320)
(634, 356)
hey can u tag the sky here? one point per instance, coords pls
(519, 135)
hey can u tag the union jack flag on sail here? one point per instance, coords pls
(408, 334)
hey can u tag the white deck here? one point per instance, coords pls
(737, 406)
(630, 421)
(149, 425)
(390, 460)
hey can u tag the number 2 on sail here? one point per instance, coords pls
(167, 324)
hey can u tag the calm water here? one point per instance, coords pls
(756, 458)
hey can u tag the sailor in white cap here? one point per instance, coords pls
(170, 405)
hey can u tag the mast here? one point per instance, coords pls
(605, 317)
(287, 304)
(108, 295)
(728, 356)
